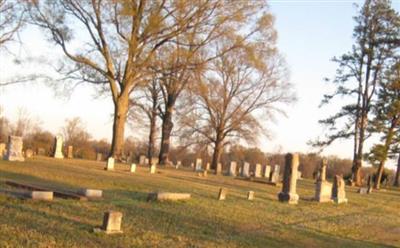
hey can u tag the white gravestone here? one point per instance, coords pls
(14, 149)
(246, 170)
(267, 171)
(133, 168)
(257, 170)
(198, 166)
(232, 169)
(58, 149)
(110, 164)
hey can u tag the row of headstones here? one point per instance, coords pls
(15, 144)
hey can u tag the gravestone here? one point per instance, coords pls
(28, 153)
(178, 164)
(363, 191)
(99, 156)
(323, 189)
(14, 149)
(112, 222)
(222, 194)
(166, 196)
(369, 184)
(142, 160)
(133, 168)
(41, 151)
(153, 169)
(218, 170)
(299, 175)
(41, 195)
(250, 195)
(70, 154)
(146, 161)
(198, 166)
(110, 164)
(232, 169)
(191, 165)
(207, 166)
(288, 193)
(274, 178)
(58, 148)
(245, 170)
(267, 171)
(2, 150)
(338, 190)
(257, 170)
(91, 193)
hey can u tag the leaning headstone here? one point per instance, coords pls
(2, 150)
(41, 195)
(58, 148)
(198, 166)
(323, 189)
(288, 193)
(70, 152)
(110, 164)
(245, 170)
(274, 178)
(14, 149)
(267, 171)
(28, 153)
(98, 156)
(152, 169)
(257, 170)
(232, 169)
(250, 195)
(222, 194)
(133, 168)
(111, 223)
(338, 190)
(218, 170)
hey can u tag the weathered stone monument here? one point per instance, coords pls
(152, 169)
(232, 169)
(99, 156)
(207, 166)
(166, 196)
(288, 193)
(250, 195)
(2, 150)
(218, 170)
(70, 153)
(111, 222)
(323, 189)
(257, 170)
(267, 171)
(14, 149)
(133, 168)
(28, 153)
(58, 148)
(222, 194)
(198, 165)
(91, 193)
(274, 178)
(110, 164)
(142, 160)
(338, 190)
(245, 170)
(41, 195)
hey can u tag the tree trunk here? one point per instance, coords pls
(120, 115)
(216, 154)
(152, 136)
(167, 126)
(357, 166)
(397, 178)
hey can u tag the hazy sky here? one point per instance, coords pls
(310, 34)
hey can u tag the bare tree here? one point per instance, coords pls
(241, 89)
(11, 20)
(75, 134)
(235, 22)
(118, 41)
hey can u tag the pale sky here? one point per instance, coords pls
(310, 34)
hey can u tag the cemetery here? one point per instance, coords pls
(73, 201)
(199, 123)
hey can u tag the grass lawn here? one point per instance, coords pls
(366, 221)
